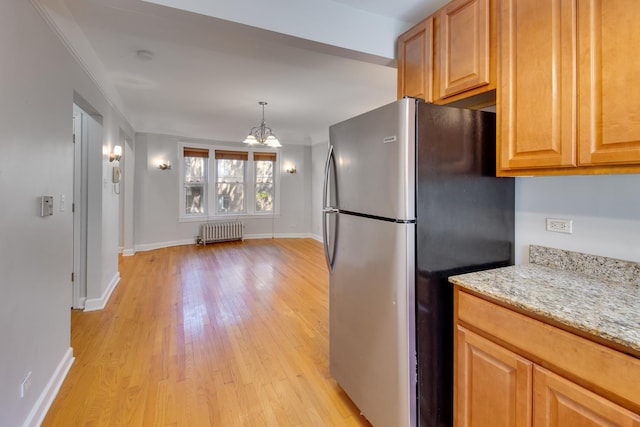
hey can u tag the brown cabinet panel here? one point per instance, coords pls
(513, 370)
(415, 62)
(612, 372)
(450, 56)
(559, 402)
(609, 89)
(464, 46)
(568, 100)
(493, 384)
(536, 93)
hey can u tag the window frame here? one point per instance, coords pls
(262, 156)
(211, 175)
(230, 155)
(204, 184)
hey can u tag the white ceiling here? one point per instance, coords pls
(208, 73)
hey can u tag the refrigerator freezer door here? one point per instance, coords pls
(375, 159)
(372, 319)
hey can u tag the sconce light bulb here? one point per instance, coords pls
(116, 154)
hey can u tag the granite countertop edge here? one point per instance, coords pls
(601, 308)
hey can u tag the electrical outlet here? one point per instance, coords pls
(25, 385)
(560, 225)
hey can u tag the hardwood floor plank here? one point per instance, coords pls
(231, 334)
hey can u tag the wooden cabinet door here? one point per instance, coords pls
(536, 101)
(560, 403)
(415, 62)
(492, 384)
(464, 40)
(609, 88)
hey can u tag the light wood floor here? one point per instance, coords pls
(231, 334)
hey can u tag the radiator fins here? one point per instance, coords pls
(220, 232)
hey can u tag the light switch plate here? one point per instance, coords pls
(46, 206)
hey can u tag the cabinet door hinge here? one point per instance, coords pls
(73, 276)
(74, 138)
(73, 207)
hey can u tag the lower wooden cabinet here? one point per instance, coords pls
(515, 371)
(559, 402)
(493, 384)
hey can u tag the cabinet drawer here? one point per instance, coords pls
(608, 372)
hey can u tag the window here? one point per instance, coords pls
(264, 166)
(231, 171)
(195, 180)
(220, 182)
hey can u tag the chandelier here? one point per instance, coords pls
(262, 134)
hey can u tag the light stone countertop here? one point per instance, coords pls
(600, 307)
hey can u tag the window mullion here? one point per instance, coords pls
(251, 180)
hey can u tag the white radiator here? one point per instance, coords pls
(221, 231)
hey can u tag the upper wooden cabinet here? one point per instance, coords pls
(609, 77)
(449, 56)
(568, 100)
(415, 61)
(465, 40)
(536, 91)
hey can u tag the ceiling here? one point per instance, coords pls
(210, 64)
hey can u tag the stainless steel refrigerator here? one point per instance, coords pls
(410, 198)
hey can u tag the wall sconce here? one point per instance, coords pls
(290, 169)
(164, 165)
(116, 154)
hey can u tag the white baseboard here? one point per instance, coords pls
(316, 237)
(128, 252)
(93, 304)
(81, 302)
(160, 245)
(42, 405)
(259, 236)
(278, 236)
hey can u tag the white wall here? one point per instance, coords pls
(38, 81)
(605, 210)
(157, 195)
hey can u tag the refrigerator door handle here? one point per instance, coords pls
(327, 169)
(329, 257)
(326, 211)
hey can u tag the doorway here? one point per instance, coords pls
(79, 208)
(87, 206)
